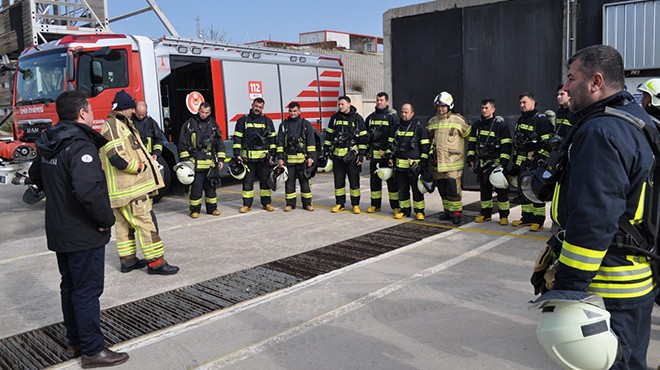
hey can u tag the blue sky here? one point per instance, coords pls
(246, 20)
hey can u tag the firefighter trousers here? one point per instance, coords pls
(256, 170)
(449, 188)
(486, 197)
(134, 224)
(532, 212)
(377, 187)
(633, 328)
(340, 170)
(406, 182)
(199, 185)
(296, 172)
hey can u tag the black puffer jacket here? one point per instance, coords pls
(68, 170)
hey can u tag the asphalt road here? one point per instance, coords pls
(455, 300)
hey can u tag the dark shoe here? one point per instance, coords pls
(456, 218)
(72, 351)
(104, 358)
(133, 265)
(164, 269)
(446, 216)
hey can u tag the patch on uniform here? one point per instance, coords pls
(87, 158)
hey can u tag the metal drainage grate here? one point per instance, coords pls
(46, 346)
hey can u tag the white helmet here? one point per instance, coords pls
(277, 178)
(497, 178)
(237, 169)
(444, 98)
(577, 334)
(384, 173)
(425, 183)
(652, 87)
(325, 165)
(185, 172)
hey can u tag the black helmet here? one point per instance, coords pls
(425, 182)
(214, 177)
(350, 156)
(310, 171)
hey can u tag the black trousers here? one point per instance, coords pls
(376, 185)
(296, 171)
(341, 170)
(486, 197)
(80, 288)
(633, 327)
(199, 185)
(406, 182)
(257, 170)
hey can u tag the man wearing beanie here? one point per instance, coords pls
(132, 174)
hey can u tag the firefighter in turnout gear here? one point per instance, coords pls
(564, 117)
(651, 97)
(296, 148)
(201, 142)
(152, 136)
(254, 145)
(448, 132)
(532, 131)
(410, 153)
(601, 187)
(381, 126)
(489, 146)
(132, 175)
(346, 141)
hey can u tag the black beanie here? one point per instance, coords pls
(123, 101)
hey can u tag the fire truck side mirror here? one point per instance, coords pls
(70, 68)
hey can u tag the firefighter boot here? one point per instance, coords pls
(456, 218)
(130, 263)
(482, 218)
(161, 267)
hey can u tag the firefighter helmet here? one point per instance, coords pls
(278, 177)
(498, 179)
(237, 169)
(325, 164)
(444, 98)
(185, 172)
(652, 87)
(384, 173)
(576, 334)
(309, 172)
(425, 182)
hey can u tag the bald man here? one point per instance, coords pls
(150, 133)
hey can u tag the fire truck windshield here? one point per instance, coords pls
(40, 78)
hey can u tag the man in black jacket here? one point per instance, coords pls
(78, 222)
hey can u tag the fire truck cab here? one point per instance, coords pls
(173, 76)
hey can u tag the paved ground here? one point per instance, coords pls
(456, 300)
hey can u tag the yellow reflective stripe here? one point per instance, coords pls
(355, 192)
(639, 212)
(472, 139)
(563, 121)
(526, 127)
(554, 205)
(425, 141)
(404, 204)
(486, 133)
(212, 200)
(379, 123)
(506, 140)
(132, 191)
(340, 152)
(306, 195)
(419, 205)
(247, 194)
(450, 166)
(295, 158)
(254, 125)
(457, 126)
(237, 146)
(405, 133)
(195, 202)
(256, 154)
(362, 133)
(505, 156)
(614, 290)
(264, 192)
(238, 134)
(341, 123)
(376, 194)
(311, 148)
(290, 196)
(471, 152)
(330, 130)
(340, 191)
(158, 147)
(581, 258)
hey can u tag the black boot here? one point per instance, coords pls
(161, 267)
(131, 263)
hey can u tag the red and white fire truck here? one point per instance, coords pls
(173, 76)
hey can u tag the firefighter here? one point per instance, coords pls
(448, 131)
(381, 126)
(346, 141)
(296, 147)
(201, 142)
(254, 145)
(410, 152)
(152, 136)
(489, 146)
(564, 117)
(651, 97)
(601, 187)
(132, 174)
(532, 131)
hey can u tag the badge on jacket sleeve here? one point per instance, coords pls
(87, 158)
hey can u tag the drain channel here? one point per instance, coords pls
(46, 346)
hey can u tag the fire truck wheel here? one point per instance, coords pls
(165, 172)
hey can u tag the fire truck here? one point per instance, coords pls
(173, 76)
